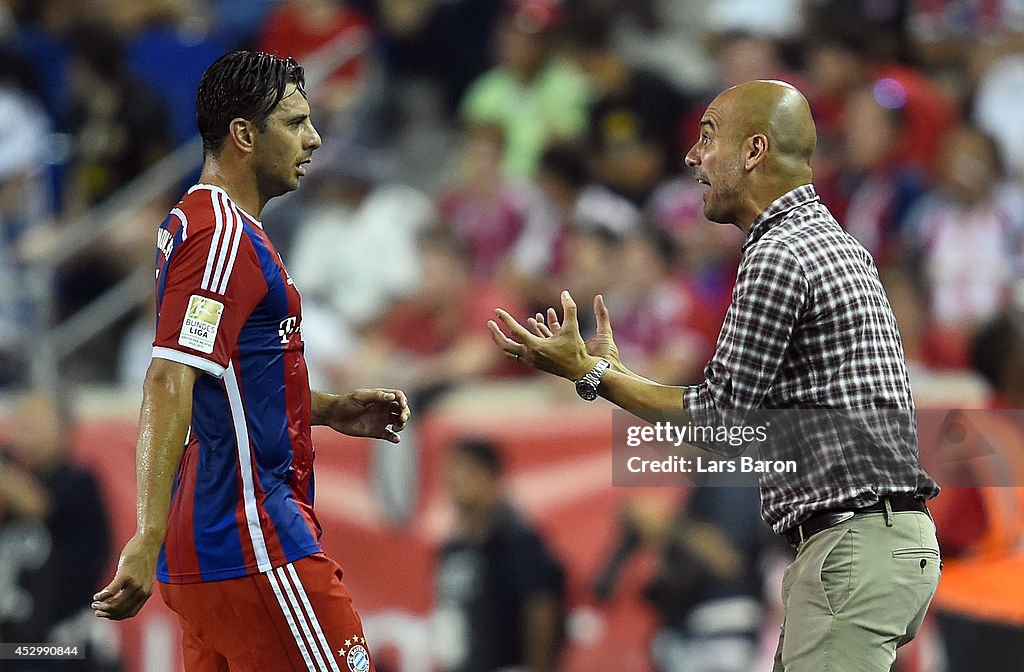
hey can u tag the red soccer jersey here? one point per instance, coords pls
(243, 496)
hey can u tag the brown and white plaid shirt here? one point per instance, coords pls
(810, 330)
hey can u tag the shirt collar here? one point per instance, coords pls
(772, 215)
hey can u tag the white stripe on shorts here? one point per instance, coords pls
(272, 578)
(312, 617)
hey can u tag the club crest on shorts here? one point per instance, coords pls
(355, 654)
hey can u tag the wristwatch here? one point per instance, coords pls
(586, 386)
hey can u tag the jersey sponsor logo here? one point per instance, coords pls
(287, 328)
(357, 657)
(202, 319)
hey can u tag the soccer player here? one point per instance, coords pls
(224, 455)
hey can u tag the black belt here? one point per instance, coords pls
(826, 519)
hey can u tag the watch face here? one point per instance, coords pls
(585, 390)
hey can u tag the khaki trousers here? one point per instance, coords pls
(856, 592)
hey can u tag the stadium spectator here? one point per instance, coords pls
(980, 601)
(170, 53)
(634, 117)
(573, 202)
(297, 28)
(590, 263)
(119, 129)
(500, 593)
(486, 208)
(533, 94)
(120, 126)
(26, 215)
(708, 251)
(426, 343)
(882, 185)
(661, 321)
(999, 95)
(353, 212)
(848, 52)
(707, 590)
(964, 240)
(443, 41)
(54, 540)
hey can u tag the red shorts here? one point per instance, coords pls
(296, 617)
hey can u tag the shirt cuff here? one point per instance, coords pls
(696, 402)
(196, 362)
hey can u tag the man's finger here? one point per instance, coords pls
(398, 399)
(515, 329)
(508, 346)
(116, 585)
(553, 323)
(119, 604)
(401, 419)
(569, 311)
(604, 322)
(538, 327)
(125, 610)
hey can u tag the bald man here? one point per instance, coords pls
(809, 328)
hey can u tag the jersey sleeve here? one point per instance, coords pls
(213, 283)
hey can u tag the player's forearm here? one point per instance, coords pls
(319, 407)
(163, 424)
(642, 397)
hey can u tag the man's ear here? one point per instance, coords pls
(755, 151)
(242, 133)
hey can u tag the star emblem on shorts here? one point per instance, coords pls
(350, 643)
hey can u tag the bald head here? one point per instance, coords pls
(756, 142)
(777, 110)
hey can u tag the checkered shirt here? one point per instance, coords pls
(810, 348)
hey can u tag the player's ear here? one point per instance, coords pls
(756, 150)
(242, 133)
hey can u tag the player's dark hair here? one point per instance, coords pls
(242, 84)
(482, 453)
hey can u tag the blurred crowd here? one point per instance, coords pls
(482, 153)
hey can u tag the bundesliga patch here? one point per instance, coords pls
(357, 657)
(199, 330)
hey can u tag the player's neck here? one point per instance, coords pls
(239, 185)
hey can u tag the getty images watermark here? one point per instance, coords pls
(780, 448)
(662, 434)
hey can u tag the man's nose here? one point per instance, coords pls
(691, 159)
(314, 141)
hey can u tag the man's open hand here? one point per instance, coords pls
(559, 350)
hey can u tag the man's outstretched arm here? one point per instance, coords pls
(559, 349)
(163, 424)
